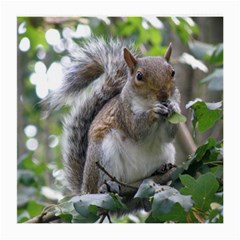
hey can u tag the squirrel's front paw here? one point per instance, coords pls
(160, 109)
(109, 186)
(165, 168)
(173, 107)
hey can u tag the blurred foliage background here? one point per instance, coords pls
(43, 46)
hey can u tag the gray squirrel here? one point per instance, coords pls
(119, 102)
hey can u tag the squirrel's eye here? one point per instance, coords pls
(173, 73)
(139, 76)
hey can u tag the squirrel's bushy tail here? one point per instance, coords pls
(97, 73)
(88, 62)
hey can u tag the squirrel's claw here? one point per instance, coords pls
(109, 186)
(165, 168)
(173, 107)
(160, 109)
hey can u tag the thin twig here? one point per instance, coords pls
(113, 178)
(103, 215)
(158, 179)
(102, 218)
(109, 219)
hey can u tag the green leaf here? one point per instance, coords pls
(186, 58)
(26, 177)
(214, 80)
(184, 27)
(34, 208)
(25, 157)
(65, 199)
(26, 162)
(177, 214)
(117, 201)
(86, 212)
(218, 199)
(24, 194)
(217, 56)
(216, 215)
(205, 158)
(80, 219)
(85, 208)
(23, 217)
(202, 190)
(205, 115)
(36, 36)
(65, 208)
(176, 118)
(146, 189)
(200, 49)
(66, 211)
(218, 172)
(87, 205)
(155, 36)
(164, 201)
(201, 151)
(67, 218)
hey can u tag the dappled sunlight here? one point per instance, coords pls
(53, 141)
(190, 60)
(46, 80)
(32, 144)
(24, 44)
(40, 67)
(54, 76)
(154, 21)
(22, 28)
(53, 36)
(30, 131)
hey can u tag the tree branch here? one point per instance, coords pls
(185, 139)
(159, 179)
(46, 217)
(49, 213)
(113, 178)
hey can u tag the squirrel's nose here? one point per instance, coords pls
(163, 95)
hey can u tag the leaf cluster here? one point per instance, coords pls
(196, 192)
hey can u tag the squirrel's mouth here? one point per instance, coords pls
(163, 96)
(165, 103)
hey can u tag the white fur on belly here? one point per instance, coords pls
(130, 161)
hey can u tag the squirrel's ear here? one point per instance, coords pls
(168, 53)
(129, 59)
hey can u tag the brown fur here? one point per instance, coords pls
(157, 82)
(157, 85)
(104, 121)
(110, 107)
